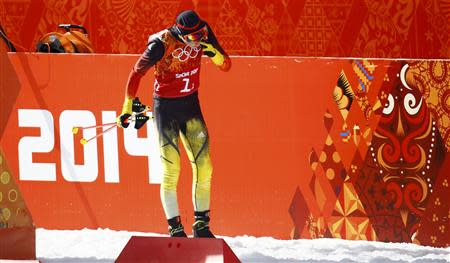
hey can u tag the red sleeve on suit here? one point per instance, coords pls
(133, 83)
(151, 55)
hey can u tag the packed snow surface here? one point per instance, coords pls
(104, 245)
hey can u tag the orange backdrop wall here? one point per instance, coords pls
(389, 29)
(302, 148)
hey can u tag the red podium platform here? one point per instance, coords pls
(186, 250)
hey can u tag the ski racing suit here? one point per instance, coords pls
(177, 111)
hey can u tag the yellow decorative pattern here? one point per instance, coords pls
(4, 177)
(13, 211)
(433, 80)
(349, 219)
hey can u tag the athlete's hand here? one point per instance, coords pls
(217, 57)
(139, 109)
(122, 120)
(208, 47)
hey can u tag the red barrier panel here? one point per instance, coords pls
(17, 243)
(302, 148)
(186, 250)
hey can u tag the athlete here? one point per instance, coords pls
(176, 53)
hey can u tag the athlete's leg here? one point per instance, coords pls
(170, 158)
(194, 135)
(196, 141)
(168, 133)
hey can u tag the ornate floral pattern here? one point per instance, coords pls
(301, 28)
(396, 190)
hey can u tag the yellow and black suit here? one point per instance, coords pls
(177, 111)
(182, 117)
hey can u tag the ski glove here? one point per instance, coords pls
(218, 57)
(129, 107)
(122, 120)
(139, 109)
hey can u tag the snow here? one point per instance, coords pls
(104, 245)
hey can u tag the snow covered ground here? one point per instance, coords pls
(104, 245)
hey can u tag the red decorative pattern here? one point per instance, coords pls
(398, 191)
(432, 79)
(298, 28)
(435, 225)
(349, 219)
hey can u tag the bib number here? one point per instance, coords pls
(186, 86)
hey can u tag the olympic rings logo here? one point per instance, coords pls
(183, 54)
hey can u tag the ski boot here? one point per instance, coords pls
(201, 226)
(176, 229)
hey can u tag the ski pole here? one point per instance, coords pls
(131, 118)
(84, 141)
(75, 129)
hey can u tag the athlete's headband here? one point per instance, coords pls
(188, 22)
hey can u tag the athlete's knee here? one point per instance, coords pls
(170, 179)
(204, 166)
(169, 185)
(204, 174)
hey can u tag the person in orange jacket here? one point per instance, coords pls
(176, 54)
